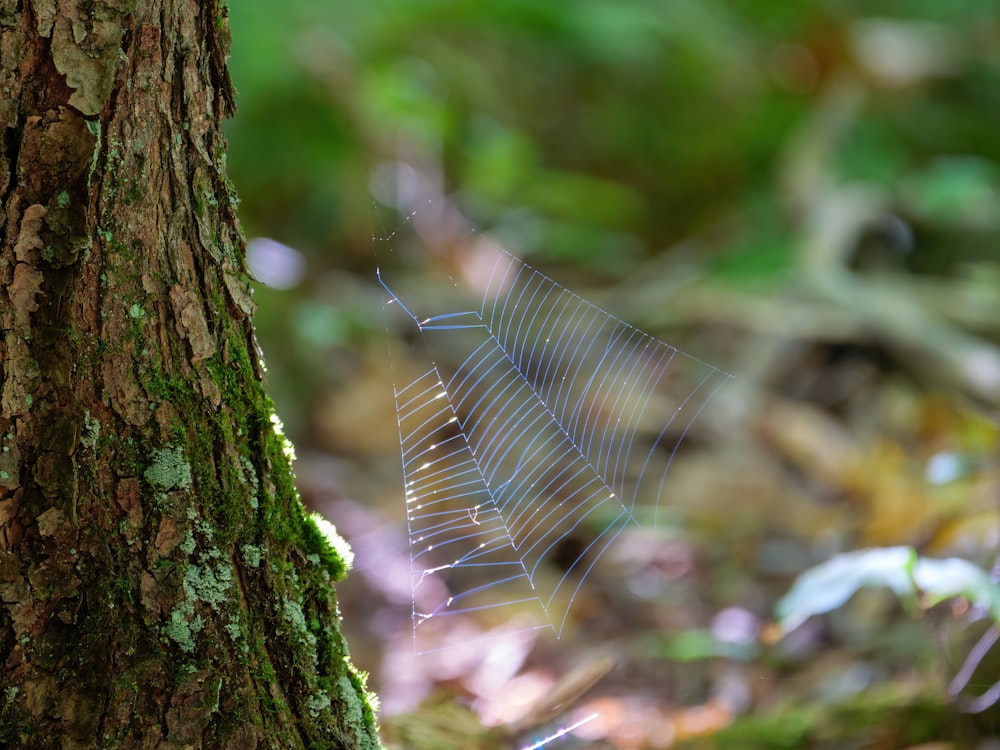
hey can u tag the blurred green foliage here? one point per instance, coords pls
(809, 190)
(612, 125)
(600, 133)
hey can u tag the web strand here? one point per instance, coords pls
(544, 421)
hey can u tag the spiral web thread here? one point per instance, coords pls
(559, 423)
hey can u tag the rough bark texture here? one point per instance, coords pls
(160, 583)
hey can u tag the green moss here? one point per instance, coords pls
(282, 512)
(267, 673)
(226, 455)
(332, 550)
(169, 470)
(235, 479)
(211, 695)
(174, 390)
(370, 700)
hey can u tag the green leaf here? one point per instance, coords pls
(830, 584)
(943, 579)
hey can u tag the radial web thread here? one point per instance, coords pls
(544, 427)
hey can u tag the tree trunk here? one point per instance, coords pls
(161, 585)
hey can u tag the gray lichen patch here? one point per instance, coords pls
(183, 626)
(10, 462)
(252, 555)
(169, 470)
(235, 631)
(357, 708)
(189, 544)
(250, 478)
(91, 431)
(86, 52)
(295, 617)
(317, 704)
(209, 584)
(206, 583)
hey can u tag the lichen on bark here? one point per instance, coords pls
(161, 584)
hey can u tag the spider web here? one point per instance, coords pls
(543, 427)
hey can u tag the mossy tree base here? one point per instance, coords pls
(160, 583)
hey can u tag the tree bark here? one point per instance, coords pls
(161, 585)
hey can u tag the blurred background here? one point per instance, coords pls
(804, 195)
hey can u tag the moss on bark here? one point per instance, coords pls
(161, 584)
